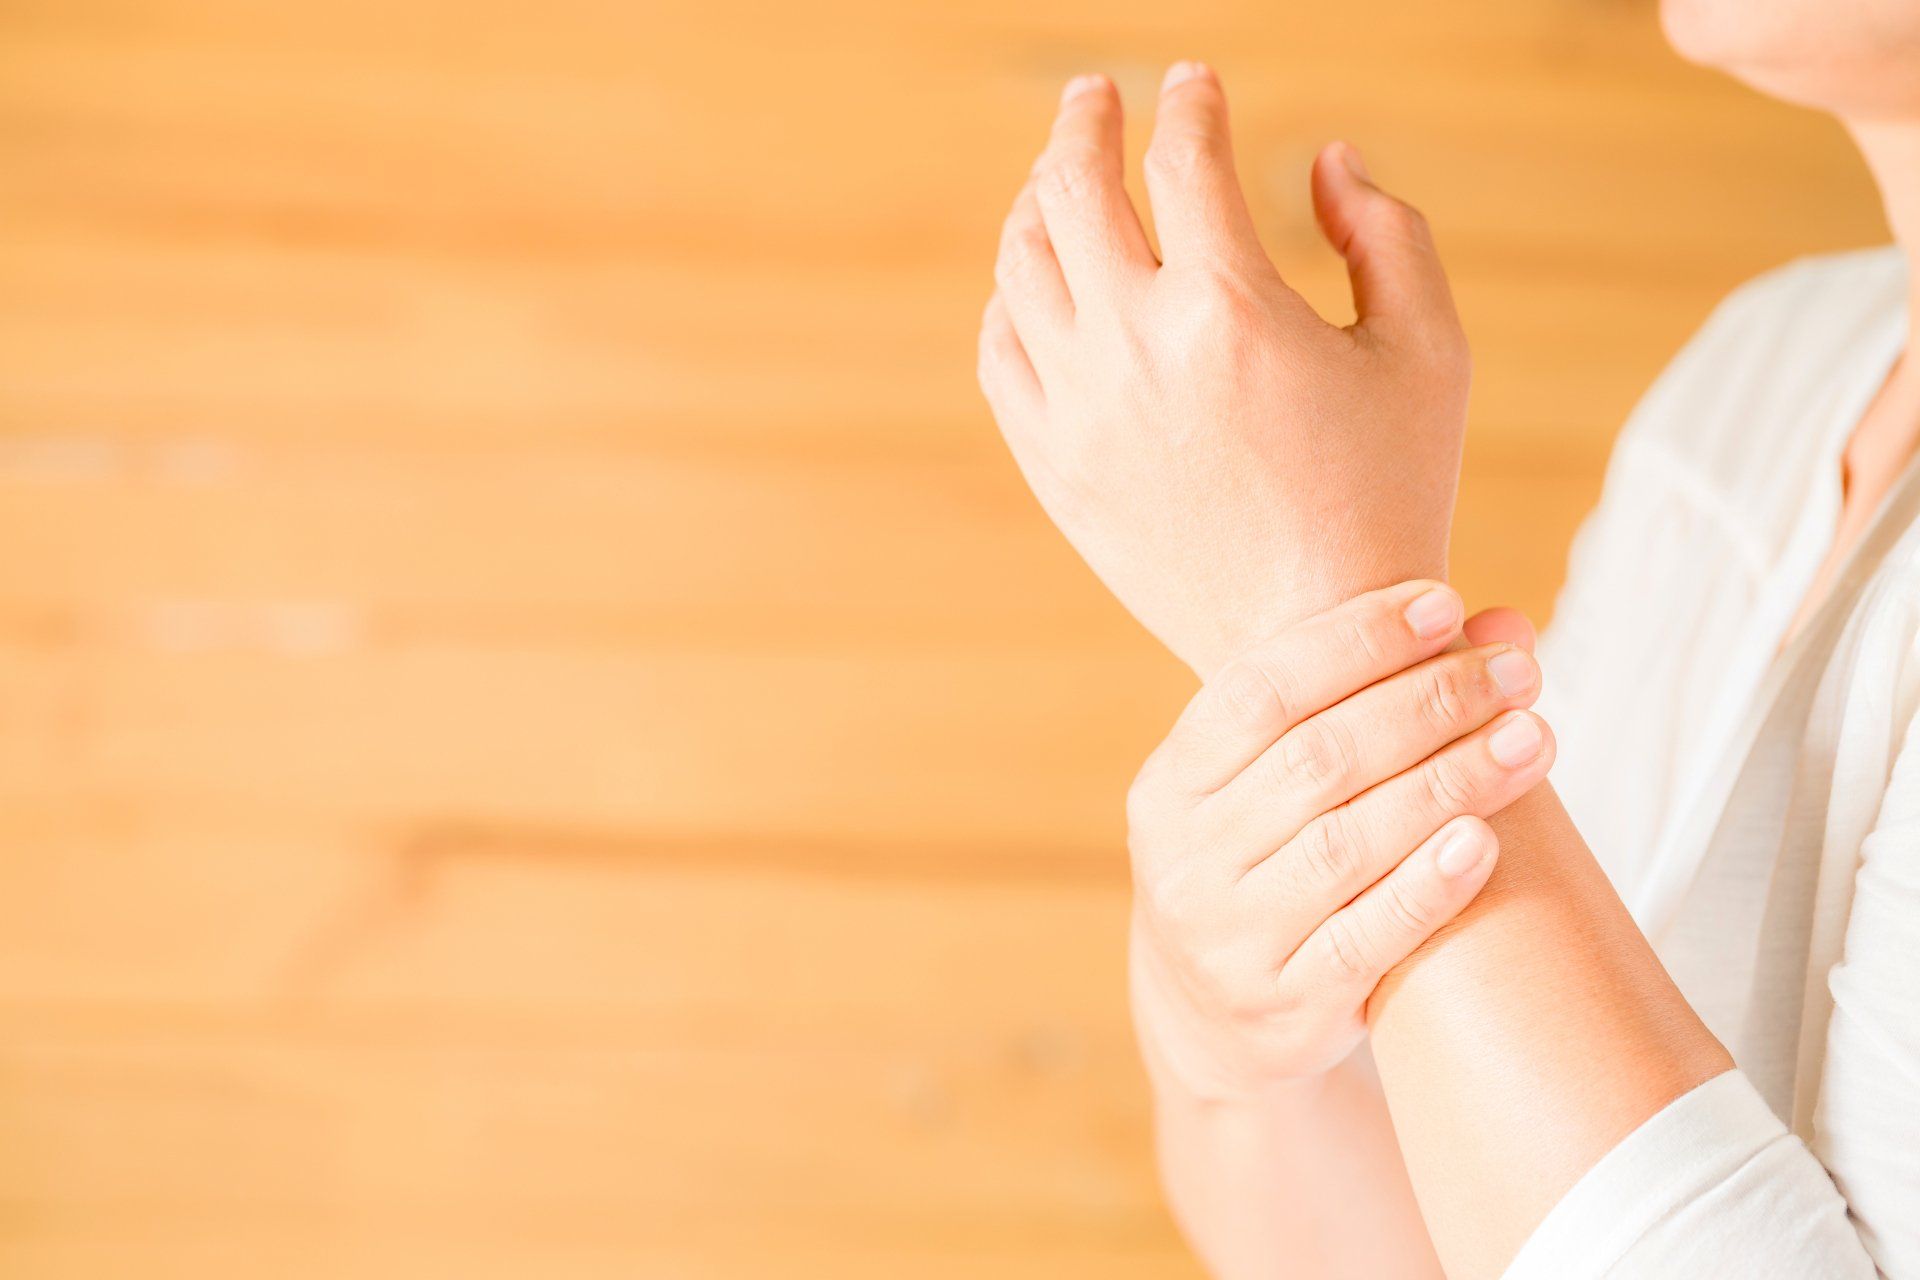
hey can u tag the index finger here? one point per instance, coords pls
(1255, 699)
(1080, 183)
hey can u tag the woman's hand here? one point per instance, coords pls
(1312, 818)
(1223, 458)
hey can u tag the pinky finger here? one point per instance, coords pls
(1006, 373)
(1355, 947)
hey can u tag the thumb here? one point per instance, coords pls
(1500, 625)
(1397, 278)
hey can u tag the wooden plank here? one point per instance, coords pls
(539, 731)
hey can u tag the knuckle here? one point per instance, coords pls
(1445, 698)
(986, 374)
(1221, 327)
(1291, 994)
(1364, 636)
(1006, 271)
(1325, 849)
(1170, 897)
(1408, 915)
(1349, 950)
(1150, 890)
(1227, 962)
(1311, 758)
(1165, 907)
(1258, 691)
(1452, 785)
(1250, 1003)
(1144, 797)
(990, 356)
(1022, 246)
(1070, 175)
(1227, 295)
(1181, 155)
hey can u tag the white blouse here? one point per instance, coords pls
(1758, 810)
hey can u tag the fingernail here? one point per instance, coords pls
(1517, 742)
(1181, 72)
(1350, 156)
(1434, 613)
(1460, 852)
(1513, 671)
(1081, 84)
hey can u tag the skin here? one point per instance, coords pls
(1851, 58)
(1527, 1036)
(1269, 832)
(1279, 478)
(1265, 917)
(1854, 60)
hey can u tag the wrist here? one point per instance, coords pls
(1295, 588)
(1195, 1071)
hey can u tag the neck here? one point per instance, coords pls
(1892, 151)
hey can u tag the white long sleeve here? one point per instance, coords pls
(1715, 1185)
(1786, 902)
(1865, 1119)
(1712, 1186)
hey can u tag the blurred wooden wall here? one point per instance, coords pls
(540, 734)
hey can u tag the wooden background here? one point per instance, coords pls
(540, 733)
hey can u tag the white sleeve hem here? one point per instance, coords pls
(1677, 1157)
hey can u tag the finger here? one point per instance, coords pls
(1028, 276)
(1341, 852)
(1078, 182)
(1006, 374)
(1398, 282)
(1377, 733)
(1199, 210)
(1253, 700)
(1356, 946)
(1501, 626)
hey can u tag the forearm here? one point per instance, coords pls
(1529, 1035)
(1228, 461)
(1526, 1040)
(1304, 1181)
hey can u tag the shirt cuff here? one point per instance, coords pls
(1678, 1155)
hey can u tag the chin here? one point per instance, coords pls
(1691, 28)
(1854, 58)
(1731, 34)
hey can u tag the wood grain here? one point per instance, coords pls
(539, 731)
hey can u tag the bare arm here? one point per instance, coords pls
(1516, 1047)
(1305, 1180)
(1229, 463)
(1313, 817)
(1305, 1177)
(1526, 1040)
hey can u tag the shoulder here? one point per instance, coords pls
(1745, 427)
(1773, 355)
(1799, 295)
(1711, 478)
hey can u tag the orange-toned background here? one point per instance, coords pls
(540, 734)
